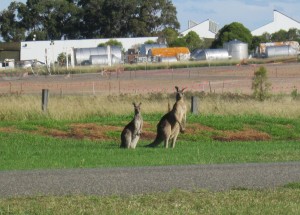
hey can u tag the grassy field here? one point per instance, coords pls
(79, 132)
(284, 200)
(85, 132)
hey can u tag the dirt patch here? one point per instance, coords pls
(93, 131)
(245, 135)
(90, 131)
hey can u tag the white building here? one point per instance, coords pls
(280, 21)
(48, 51)
(206, 29)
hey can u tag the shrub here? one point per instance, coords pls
(260, 84)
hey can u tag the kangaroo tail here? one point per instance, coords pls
(155, 143)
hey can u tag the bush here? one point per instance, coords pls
(260, 84)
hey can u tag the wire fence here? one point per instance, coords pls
(284, 78)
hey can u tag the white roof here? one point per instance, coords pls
(280, 22)
(206, 29)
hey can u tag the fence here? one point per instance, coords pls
(284, 79)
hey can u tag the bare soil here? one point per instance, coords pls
(93, 131)
(284, 77)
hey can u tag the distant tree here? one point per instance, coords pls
(111, 43)
(149, 42)
(11, 29)
(193, 41)
(74, 19)
(62, 59)
(127, 18)
(280, 35)
(293, 34)
(233, 31)
(168, 35)
(179, 42)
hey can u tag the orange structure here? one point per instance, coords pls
(169, 52)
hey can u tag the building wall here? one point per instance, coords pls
(280, 21)
(47, 51)
(201, 29)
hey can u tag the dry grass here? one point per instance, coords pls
(79, 107)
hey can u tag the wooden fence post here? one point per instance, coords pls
(194, 105)
(45, 96)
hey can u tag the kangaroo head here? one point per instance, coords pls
(137, 108)
(179, 93)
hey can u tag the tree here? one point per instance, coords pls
(260, 84)
(233, 31)
(111, 43)
(11, 29)
(280, 35)
(73, 19)
(179, 42)
(168, 35)
(193, 41)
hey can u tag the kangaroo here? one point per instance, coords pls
(132, 131)
(171, 123)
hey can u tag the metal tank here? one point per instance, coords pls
(276, 51)
(83, 54)
(103, 60)
(237, 49)
(146, 47)
(167, 59)
(210, 54)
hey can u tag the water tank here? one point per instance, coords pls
(237, 49)
(276, 51)
(167, 59)
(210, 54)
(103, 60)
(83, 54)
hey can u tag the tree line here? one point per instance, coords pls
(87, 19)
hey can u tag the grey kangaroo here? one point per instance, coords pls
(132, 131)
(172, 122)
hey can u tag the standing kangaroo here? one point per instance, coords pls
(132, 131)
(171, 123)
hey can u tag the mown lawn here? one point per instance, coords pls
(284, 200)
(47, 144)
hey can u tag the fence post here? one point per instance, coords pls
(45, 96)
(194, 105)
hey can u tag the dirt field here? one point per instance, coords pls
(235, 79)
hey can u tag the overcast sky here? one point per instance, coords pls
(251, 13)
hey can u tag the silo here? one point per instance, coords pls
(277, 51)
(237, 49)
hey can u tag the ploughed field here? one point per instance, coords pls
(235, 79)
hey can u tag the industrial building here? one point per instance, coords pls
(280, 22)
(48, 51)
(206, 29)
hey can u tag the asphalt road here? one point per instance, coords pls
(139, 180)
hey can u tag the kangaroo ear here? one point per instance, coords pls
(176, 88)
(134, 104)
(183, 89)
(140, 103)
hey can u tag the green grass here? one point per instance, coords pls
(283, 200)
(25, 149)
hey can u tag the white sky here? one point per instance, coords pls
(251, 13)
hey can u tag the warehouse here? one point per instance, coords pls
(280, 22)
(48, 51)
(207, 29)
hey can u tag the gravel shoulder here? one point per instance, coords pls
(140, 180)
